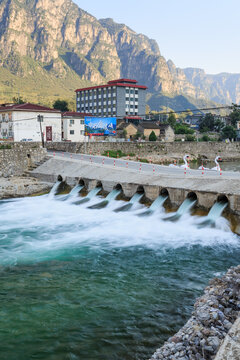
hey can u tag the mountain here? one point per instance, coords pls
(50, 48)
(222, 88)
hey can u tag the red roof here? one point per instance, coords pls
(133, 117)
(27, 107)
(122, 80)
(110, 84)
(75, 114)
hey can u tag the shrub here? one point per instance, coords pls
(144, 161)
(205, 138)
(190, 138)
(183, 129)
(114, 153)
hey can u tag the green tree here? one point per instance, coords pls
(235, 115)
(124, 133)
(218, 125)
(228, 132)
(137, 135)
(152, 136)
(172, 120)
(207, 123)
(61, 105)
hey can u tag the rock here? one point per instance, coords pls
(214, 313)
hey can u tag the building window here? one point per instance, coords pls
(71, 122)
(82, 132)
(82, 122)
(71, 132)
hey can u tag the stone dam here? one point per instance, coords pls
(206, 187)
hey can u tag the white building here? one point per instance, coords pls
(73, 125)
(25, 122)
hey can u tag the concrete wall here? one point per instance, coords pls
(177, 149)
(15, 161)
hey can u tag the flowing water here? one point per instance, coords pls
(156, 205)
(75, 191)
(134, 200)
(102, 204)
(215, 212)
(89, 197)
(54, 189)
(183, 209)
(78, 283)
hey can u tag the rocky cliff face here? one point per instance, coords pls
(57, 35)
(222, 88)
(56, 47)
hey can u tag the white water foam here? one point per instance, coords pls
(35, 229)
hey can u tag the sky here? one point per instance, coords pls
(192, 33)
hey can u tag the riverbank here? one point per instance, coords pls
(213, 316)
(19, 186)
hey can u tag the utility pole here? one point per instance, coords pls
(40, 120)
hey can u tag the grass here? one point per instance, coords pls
(114, 153)
(3, 147)
(144, 161)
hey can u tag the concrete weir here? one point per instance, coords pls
(176, 183)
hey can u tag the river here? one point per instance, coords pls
(79, 283)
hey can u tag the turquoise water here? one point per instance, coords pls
(89, 284)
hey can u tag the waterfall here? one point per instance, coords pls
(90, 195)
(183, 209)
(157, 204)
(112, 196)
(54, 189)
(75, 191)
(215, 212)
(136, 198)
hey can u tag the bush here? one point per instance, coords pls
(183, 129)
(190, 138)
(152, 136)
(205, 138)
(114, 153)
(144, 161)
(3, 147)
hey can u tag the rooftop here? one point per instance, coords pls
(120, 83)
(75, 114)
(149, 125)
(27, 107)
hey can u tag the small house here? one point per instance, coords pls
(126, 130)
(146, 127)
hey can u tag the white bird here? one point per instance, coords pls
(217, 168)
(186, 165)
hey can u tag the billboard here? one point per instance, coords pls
(96, 126)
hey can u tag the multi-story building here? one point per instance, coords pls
(29, 122)
(122, 98)
(73, 126)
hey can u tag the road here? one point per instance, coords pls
(146, 168)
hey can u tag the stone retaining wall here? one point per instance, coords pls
(177, 149)
(213, 316)
(19, 157)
